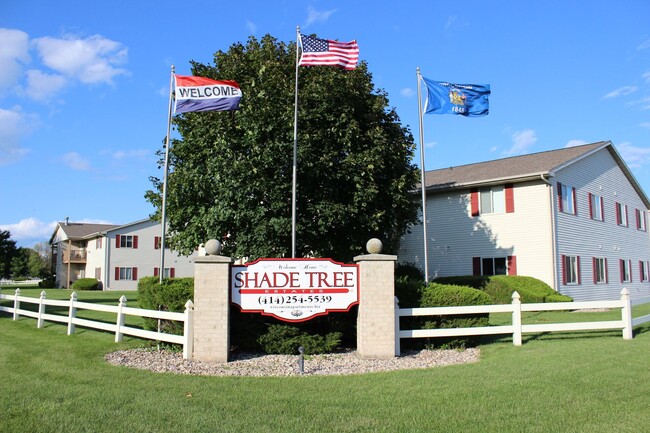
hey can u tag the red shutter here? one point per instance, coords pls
(627, 221)
(172, 273)
(117, 274)
(620, 263)
(575, 202)
(474, 201)
(510, 198)
(640, 270)
(591, 207)
(562, 264)
(579, 273)
(602, 208)
(155, 272)
(135, 242)
(606, 272)
(117, 241)
(617, 206)
(593, 265)
(512, 265)
(559, 198)
(156, 242)
(134, 273)
(476, 266)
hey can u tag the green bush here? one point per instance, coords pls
(85, 284)
(48, 282)
(170, 295)
(501, 287)
(409, 270)
(285, 339)
(441, 295)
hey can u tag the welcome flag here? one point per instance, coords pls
(464, 99)
(203, 94)
(325, 52)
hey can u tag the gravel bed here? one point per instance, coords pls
(287, 365)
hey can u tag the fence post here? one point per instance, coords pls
(188, 331)
(41, 310)
(626, 313)
(72, 313)
(120, 319)
(516, 319)
(398, 348)
(16, 304)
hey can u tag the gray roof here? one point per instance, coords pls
(520, 168)
(82, 230)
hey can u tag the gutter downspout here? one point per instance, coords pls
(553, 233)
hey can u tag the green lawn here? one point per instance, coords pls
(560, 382)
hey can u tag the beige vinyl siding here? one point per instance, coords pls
(455, 236)
(578, 235)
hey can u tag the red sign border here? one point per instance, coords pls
(275, 259)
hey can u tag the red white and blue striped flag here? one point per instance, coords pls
(204, 94)
(326, 52)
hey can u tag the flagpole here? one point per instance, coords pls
(163, 217)
(423, 185)
(295, 155)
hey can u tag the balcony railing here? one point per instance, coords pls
(74, 256)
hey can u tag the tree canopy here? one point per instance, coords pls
(231, 172)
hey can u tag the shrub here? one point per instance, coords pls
(171, 295)
(285, 339)
(85, 284)
(48, 282)
(501, 287)
(409, 270)
(440, 295)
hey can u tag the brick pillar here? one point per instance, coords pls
(376, 319)
(211, 308)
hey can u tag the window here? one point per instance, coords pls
(571, 270)
(494, 265)
(626, 271)
(495, 199)
(98, 243)
(126, 273)
(621, 214)
(643, 270)
(596, 207)
(640, 220)
(566, 198)
(169, 272)
(98, 274)
(157, 241)
(600, 270)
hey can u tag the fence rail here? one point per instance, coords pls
(517, 328)
(118, 327)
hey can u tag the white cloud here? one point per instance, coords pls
(646, 77)
(645, 125)
(14, 53)
(644, 45)
(91, 60)
(14, 126)
(573, 143)
(450, 22)
(42, 86)
(522, 141)
(634, 156)
(251, 26)
(317, 16)
(621, 91)
(29, 229)
(407, 92)
(75, 161)
(134, 153)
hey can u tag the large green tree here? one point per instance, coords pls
(8, 251)
(231, 172)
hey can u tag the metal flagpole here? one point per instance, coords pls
(163, 217)
(423, 185)
(295, 155)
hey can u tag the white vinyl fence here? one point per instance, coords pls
(121, 310)
(517, 328)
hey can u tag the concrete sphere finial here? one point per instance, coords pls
(374, 246)
(213, 247)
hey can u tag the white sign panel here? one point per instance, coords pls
(294, 290)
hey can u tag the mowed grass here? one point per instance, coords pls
(560, 382)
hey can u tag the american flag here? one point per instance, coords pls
(328, 53)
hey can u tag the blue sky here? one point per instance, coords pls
(84, 86)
